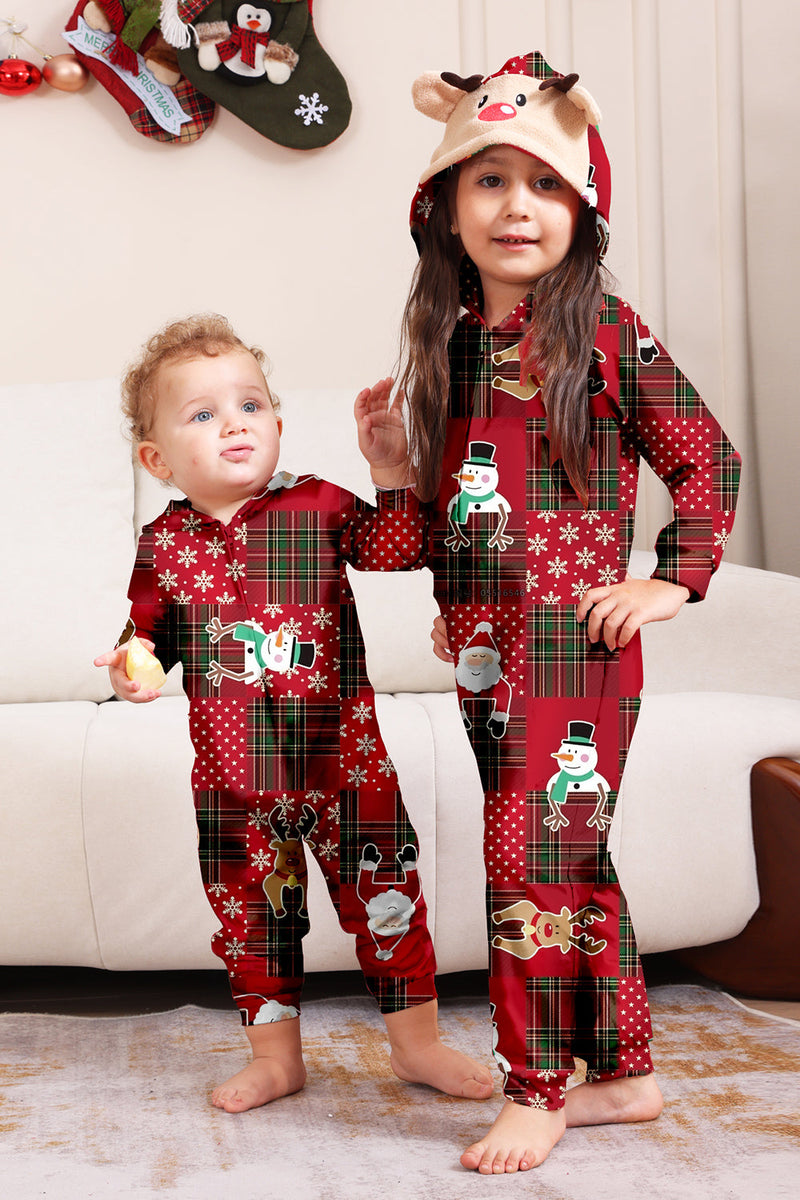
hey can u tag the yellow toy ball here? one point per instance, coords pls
(143, 667)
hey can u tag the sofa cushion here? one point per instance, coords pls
(68, 552)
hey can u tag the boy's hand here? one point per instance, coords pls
(617, 612)
(382, 434)
(441, 645)
(126, 689)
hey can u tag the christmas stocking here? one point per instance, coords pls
(120, 43)
(264, 63)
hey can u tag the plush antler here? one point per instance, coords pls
(464, 85)
(562, 83)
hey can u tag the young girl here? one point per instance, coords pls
(244, 583)
(528, 416)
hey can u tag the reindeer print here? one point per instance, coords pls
(289, 869)
(543, 930)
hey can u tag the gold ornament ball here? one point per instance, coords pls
(65, 73)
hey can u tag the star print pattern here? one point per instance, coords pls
(288, 754)
(540, 849)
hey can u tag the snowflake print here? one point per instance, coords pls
(235, 569)
(604, 534)
(191, 524)
(234, 948)
(557, 566)
(318, 681)
(367, 744)
(551, 598)
(257, 818)
(579, 588)
(608, 575)
(167, 581)
(232, 908)
(204, 581)
(531, 581)
(362, 712)
(357, 776)
(260, 860)
(187, 557)
(225, 598)
(590, 516)
(327, 850)
(165, 539)
(569, 533)
(387, 767)
(537, 1102)
(323, 618)
(215, 547)
(721, 538)
(218, 889)
(586, 557)
(548, 516)
(546, 1074)
(336, 813)
(311, 109)
(183, 598)
(293, 627)
(272, 610)
(285, 805)
(424, 207)
(537, 544)
(241, 534)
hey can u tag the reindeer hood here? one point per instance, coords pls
(528, 105)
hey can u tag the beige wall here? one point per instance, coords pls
(107, 234)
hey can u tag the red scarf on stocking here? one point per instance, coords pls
(244, 40)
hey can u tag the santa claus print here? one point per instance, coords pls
(480, 672)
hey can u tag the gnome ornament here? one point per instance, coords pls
(119, 42)
(263, 62)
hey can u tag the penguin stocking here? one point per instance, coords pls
(120, 43)
(263, 62)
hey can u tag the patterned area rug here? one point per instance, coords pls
(117, 1107)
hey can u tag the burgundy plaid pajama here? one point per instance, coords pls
(288, 754)
(512, 553)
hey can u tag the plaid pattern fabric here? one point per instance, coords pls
(197, 107)
(288, 754)
(562, 947)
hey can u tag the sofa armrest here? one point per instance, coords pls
(764, 959)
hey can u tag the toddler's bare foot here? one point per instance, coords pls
(445, 1069)
(418, 1056)
(276, 1069)
(262, 1080)
(521, 1138)
(631, 1098)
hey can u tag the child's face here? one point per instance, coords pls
(516, 218)
(215, 434)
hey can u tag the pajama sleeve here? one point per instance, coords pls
(683, 443)
(391, 537)
(151, 617)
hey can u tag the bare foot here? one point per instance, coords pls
(521, 1138)
(631, 1098)
(418, 1056)
(276, 1069)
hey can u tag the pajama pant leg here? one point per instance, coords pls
(255, 879)
(565, 978)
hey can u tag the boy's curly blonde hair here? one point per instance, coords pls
(203, 334)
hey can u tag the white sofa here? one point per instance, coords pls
(97, 839)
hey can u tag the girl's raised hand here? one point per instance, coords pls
(125, 688)
(617, 612)
(382, 434)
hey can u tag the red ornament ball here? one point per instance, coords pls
(18, 77)
(65, 73)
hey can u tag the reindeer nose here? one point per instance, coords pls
(497, 112)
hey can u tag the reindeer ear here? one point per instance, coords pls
(584, 101)
(434, 97)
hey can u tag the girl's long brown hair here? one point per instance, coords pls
(557, 347)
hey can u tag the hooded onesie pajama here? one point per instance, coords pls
(288, 754)
(513, 550)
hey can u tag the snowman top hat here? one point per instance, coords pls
(481, 454)
(580, 732)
